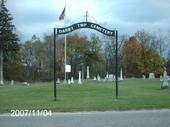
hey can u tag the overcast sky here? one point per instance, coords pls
(128, 16)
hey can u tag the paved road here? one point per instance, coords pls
(153, 118)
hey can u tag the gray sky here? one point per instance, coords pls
(41, 16)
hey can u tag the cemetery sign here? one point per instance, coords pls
(85, 25)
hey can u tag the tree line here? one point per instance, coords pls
(138, 55)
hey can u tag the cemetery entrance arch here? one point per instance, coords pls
(90, 25)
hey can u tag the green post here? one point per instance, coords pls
(55, 93)
(116, 68)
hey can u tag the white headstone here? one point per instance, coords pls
(98, 77)
(121, 74)
(25, 83)
(1, 82)
(79, 81)
(58, 81)
(110, 77)
(88, 75)
(72, 80)
(69, 82)
(114, 77)
(151, 76)
(161, 78)
(12, 82)
(94, 78)
(165, 83)
(107, 76)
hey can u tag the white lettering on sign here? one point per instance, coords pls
(66, 30)
(101, 29)
(80, 25)
(85, 25)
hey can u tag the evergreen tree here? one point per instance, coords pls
(8, 38)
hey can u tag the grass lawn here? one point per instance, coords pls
(91, 95)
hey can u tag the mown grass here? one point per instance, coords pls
(90, 96)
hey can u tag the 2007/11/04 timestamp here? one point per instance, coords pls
(22, 113)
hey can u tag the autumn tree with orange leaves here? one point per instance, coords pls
(133, 60)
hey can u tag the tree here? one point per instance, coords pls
(80, 53)
(139, 60)
(154, 62)
(132, 57)
(160, 45)
(168, 62)
(153, 48)
(8, 38)
(109, 54)
(144, 38)
(48, 49)
(77, 48)
(28, 59)
(37, 58)
(94, 55)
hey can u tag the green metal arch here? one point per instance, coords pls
(89, 25)
(80, 25)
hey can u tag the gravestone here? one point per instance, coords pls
(58, 81)
(114, 77)
(25, 84)
(12, 82)
(121, 75)
(110, 77)
(88, 75)
(143, 76)
(94, 78)
(98, 77)
(79, 81)
(107, 76)
(151, 76)
(69, 82)
(72, 80)
(161, 78)
(165, 84)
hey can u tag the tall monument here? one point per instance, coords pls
(121, 74)
(88, 76)
(165, 84)
(79, 80)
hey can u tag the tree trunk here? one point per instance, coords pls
(1, 67)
